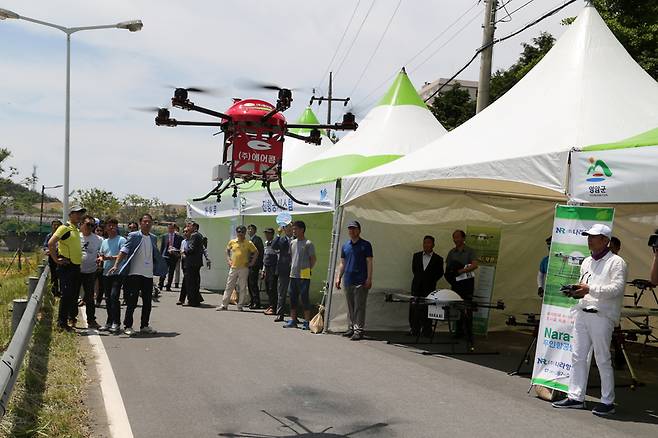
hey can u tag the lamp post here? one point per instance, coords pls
(43, 189)
(132, 26)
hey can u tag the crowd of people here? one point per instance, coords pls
(90, 255)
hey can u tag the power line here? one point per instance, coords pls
(499, 40)
(372, 55)
(443, 32)
(349, 23)
(347, 54)
(509, 14)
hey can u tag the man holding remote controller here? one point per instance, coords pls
(600, 292)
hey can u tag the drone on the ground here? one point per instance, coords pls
(254, 132)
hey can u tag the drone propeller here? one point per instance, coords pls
(148, 109)
(200, 90)
(250, 84)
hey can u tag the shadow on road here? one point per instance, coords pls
(298, 429)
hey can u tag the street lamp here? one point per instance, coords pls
(43, 189)
(132, 26)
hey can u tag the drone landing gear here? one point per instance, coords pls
(283, 189)
(218, 190)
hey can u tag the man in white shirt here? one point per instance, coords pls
(600, 292)
(91, 245)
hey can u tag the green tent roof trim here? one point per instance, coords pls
(308, 117)
(402, 92)
(649, 138)
(329, 169)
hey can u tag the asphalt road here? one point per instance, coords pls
(209, 374)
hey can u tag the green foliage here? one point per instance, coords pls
(133, 206)
(453, 107)
(99, 203)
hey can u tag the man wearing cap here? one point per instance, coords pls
(241, 254)
(600, 293)
(281, 244)
(355, 271)
(65, 250)
(268, 273)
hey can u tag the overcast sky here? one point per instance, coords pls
(212, 43)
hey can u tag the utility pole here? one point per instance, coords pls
(329, 100)
(485, 59)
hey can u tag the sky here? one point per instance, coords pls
(216, 44)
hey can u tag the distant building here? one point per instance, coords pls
(430, 87)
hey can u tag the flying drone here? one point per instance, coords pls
(254, 132)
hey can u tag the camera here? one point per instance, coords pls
(653, 240)
(568, 289)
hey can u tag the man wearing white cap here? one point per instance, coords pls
(600, 292)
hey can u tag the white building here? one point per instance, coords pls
(430, 87)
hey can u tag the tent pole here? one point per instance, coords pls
(335, 236)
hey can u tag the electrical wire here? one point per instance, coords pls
(499, 40)
(443, 32)
(356, 36)
(340, 43)
(372, 55)
(509, 14)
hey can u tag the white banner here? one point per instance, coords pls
(617, 175)
(552, 366)
(320, 198)
(229, 206)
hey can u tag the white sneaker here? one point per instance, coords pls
(147, 330)
(129, 331)
(104, 328)
(220, 308)
(114, 328)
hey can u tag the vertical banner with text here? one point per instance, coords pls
(552, 365)
(486, 243)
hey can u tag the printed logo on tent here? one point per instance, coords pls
(324, 198)
(598, 171)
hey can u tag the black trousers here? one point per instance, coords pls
(465, 290)
(69, 283)
(252, 283)
(89, 288)
(133, 285)
(192, 284)
(171, 268)
(54, 277)
(112, 289)
(418, 320)
(271, 280)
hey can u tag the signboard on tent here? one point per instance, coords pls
(552, 365)
(486, 243)
(210, 208)
(320, 198)
(616, 175)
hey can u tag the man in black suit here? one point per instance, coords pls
(427, 267)
(254, 271)
(170, 250)
(192, 264)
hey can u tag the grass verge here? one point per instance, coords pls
(47, 400)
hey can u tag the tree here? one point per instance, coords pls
(133, 206)
(453, 107)
(99, 203)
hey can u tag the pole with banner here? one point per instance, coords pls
(552, 365)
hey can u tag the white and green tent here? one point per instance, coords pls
(297, 152)
(399, 124)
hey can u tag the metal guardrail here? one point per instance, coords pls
(12, 359)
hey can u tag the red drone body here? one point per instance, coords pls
(255, 148)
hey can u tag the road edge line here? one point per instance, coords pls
(115, 410)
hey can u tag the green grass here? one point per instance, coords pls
(47, 400)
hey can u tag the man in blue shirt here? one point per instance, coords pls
(111, 283)
(355, 271)
(543, 270)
